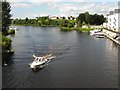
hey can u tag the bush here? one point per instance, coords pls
(11, 31)
(6, 43)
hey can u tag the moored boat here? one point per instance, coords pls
(93, 32)
(97, 33)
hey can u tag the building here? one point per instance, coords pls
(112, 26)
(113, 21)
(53, 17)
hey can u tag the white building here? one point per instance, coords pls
(53, 17)
(113, 20)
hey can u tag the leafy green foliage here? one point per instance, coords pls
(11, 31)
(90, 19)
(6, 8)
(45, 21)
(81, 18)
(87, 18)
(6, 43)
(79, 24)
(6, 21)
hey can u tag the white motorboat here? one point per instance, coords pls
(93, 32)
(97, 33)
(40, 62)
(99, 36)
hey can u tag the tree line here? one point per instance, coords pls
(44, 21)
(82, 19)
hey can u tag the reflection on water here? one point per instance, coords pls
(111, 45)
(82, 61)
(7, 59)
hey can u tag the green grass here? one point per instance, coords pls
(66, 29)
(76, 28)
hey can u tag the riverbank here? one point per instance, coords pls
(34, 25)
(6, 44)
(111, 35)
(84, 29)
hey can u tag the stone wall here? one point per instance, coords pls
(109, 33)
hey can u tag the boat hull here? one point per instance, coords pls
(37, 67)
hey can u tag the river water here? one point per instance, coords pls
(82, 61)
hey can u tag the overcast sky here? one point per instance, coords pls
(34, 8)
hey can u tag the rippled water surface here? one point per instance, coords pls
(82, 61)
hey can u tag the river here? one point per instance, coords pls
(82, 61)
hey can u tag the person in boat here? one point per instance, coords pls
(37, 58)
(41, 58)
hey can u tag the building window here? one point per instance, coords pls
(110, 20)
(115, 24)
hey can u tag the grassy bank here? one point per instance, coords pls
(76, 28)
(66, 29)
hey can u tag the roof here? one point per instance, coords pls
(113, 12)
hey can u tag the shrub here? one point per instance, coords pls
(11, 31)
(6, 43)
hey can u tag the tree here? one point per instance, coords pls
(79, 24)
(63, 17)
(0, 17)
(70, 24)
(87, 18)
(81, 17)
(6, 21)
(57, 17)
(83, 23)
(68, 18)
(26, 20)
